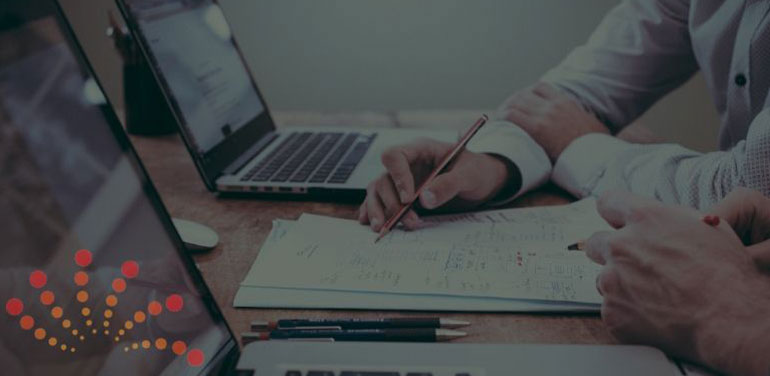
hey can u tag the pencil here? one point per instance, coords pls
(390, 223)
(579, 246)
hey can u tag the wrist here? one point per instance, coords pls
(507, 178)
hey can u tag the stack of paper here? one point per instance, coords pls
(504, 260)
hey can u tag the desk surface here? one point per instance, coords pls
(243, 225)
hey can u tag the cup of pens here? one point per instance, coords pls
(146, 110)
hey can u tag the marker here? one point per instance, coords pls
(340, 324)
(357, 335)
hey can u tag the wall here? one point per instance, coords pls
(348, 55)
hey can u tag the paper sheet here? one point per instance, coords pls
(521, 256)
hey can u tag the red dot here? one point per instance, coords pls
(37, 279)
(130, 269)
(83, 258)
(174, 303)
(195, 357)
(14, 307)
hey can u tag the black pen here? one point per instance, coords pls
(385, 323)
(358, 335)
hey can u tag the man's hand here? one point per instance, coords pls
(469, 181)
(748, 213)
(551, 118)
(671, 281)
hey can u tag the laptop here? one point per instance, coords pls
(95, 280)
(225, 122)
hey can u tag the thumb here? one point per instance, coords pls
(442, 189)
(760, 253)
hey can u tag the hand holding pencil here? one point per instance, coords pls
(469, 180)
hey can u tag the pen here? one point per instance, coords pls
(359, 335)
(340, 324)
(444, 162)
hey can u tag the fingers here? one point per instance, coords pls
(598, 248)
(442, 189)
(381, 204)
(374, 208)
(620, 208)
(546, 91)
(397, 161)
(747, 212)
(760, 253)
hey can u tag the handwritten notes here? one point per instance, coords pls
(515, 253)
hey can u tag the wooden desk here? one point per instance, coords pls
(243, 224)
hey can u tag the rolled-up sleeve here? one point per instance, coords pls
(639, 52)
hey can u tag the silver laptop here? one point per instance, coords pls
(225, 122)
(96, 280)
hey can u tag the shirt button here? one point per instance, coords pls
(740, 79)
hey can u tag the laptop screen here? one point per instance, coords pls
(92, 279)
(194, 53)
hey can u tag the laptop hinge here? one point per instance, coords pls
(249, 154)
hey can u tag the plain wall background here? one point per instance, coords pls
(391, 55)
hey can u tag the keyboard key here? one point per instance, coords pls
(282, 154)
(347, 166)
(293, 373)
(312, 163)
(299, 155)
(328, 165)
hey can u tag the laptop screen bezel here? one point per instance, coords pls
(227, 355)
(211, 164)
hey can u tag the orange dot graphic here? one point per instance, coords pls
(111, 300)
(174, 303)
(195, 357)
(82, 296)
(119, 285)
(14, 306)
(27, 322)
(85, 311)
(139, 316)
(63, 347)
(121, 332)
(129, 325)
(106, 324)
(106, 332)
(83, 258)
(52, 341)
(37, 279)
(108, 313)
(134, 345)
(93, 331)
(39, 333)
(89, 322)
(66, 324)
(117, 339)
(154, 308)
(81, 278)
(145, 344)
(72, 349)
(47, 297)
(74, 332)
(82, 337)
(57, 312)
(178, 347)
(130, 269)
(161, 343)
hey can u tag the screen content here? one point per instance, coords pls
(90, 282)
(193, 48)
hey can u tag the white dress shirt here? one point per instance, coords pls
(642, 50)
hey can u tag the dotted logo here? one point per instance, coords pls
(85, 323)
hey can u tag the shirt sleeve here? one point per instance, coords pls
(595, 163)
(507, 140)
(639, 52)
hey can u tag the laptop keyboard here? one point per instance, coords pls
(313, 157)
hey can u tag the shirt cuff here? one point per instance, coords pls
(507, 140)
(583, 163)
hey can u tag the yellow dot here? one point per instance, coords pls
(106, 332)
(57, 312)
(139, 317)
(161, 343)
(85, 311)
(111, 300)
(74, 332)
(145, 344)
(134, 345)
(117, 339)
(125, 349)
(52, 341)
(82, 337)
(108, 313)
(66, 324)
(63, 347)
(129, 325)
(72, 349)
(93, 331)
(89, 322)
(121, 332)
(106, 324)
(39, 333)
(82, 296)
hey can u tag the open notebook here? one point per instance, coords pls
(503, 260)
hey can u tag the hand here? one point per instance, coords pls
(671, 281)
(469, 181)
(551, 118)
(748, 213)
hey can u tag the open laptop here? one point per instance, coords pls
(94, 278)
(225, 122)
